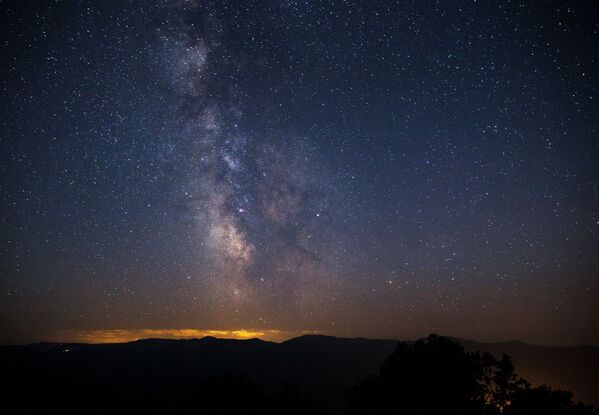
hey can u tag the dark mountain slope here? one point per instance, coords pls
(318, 368)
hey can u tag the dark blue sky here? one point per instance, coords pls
(381, 169)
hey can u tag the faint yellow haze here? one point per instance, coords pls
(128, 335)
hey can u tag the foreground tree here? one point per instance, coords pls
(436, 375)
(544, 400)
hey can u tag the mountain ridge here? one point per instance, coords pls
(317, 336)
(314, 362)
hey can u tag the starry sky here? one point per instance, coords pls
(352, 168)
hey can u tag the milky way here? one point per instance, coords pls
(257, 203)
(357, 169)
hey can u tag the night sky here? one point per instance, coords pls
(376, 169)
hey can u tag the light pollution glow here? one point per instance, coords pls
(129, 335)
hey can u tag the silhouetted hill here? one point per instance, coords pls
(319, 369)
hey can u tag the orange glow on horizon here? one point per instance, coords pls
(129, 335)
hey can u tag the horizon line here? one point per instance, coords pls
(122, 336)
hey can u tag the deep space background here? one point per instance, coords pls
(354, 168)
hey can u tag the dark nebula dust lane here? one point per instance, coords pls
(388, 170)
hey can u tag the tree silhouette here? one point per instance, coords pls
(544, 400)
(499, 382)
(428, 376)
(436, 375)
